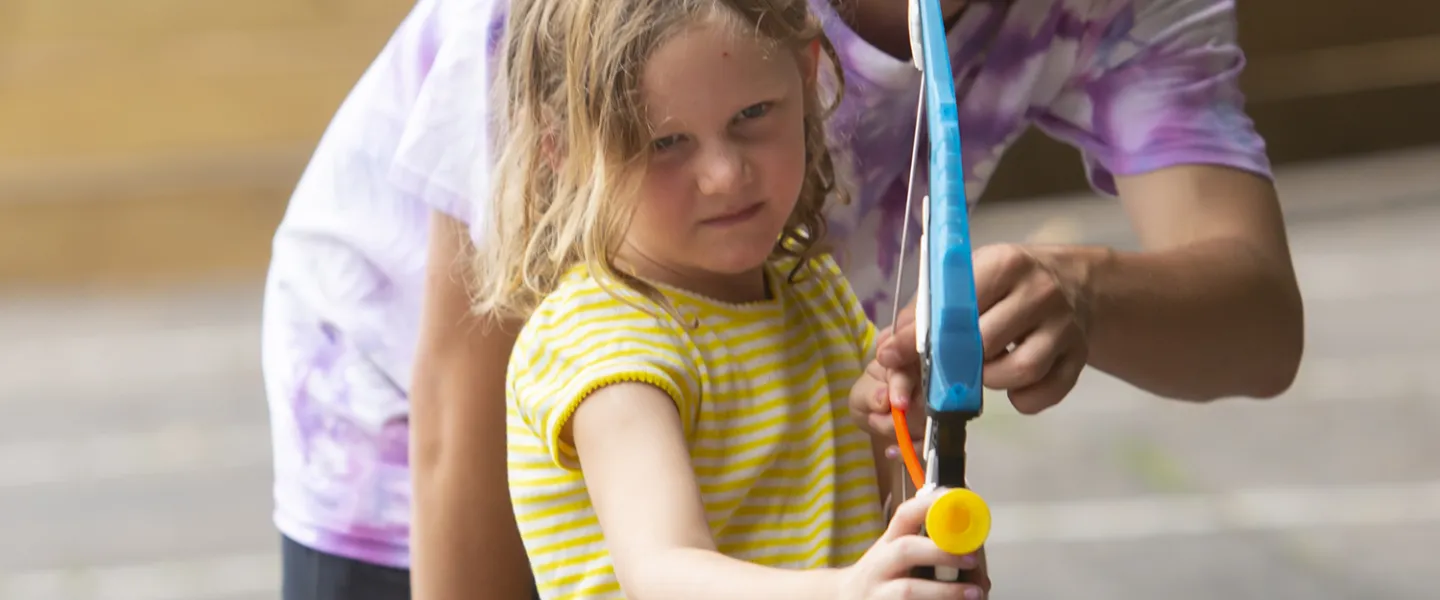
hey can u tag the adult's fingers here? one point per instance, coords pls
(997, 269)
(1027, 363)
(1053, 387)
(1006, 323)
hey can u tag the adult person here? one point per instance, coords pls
(377, 372)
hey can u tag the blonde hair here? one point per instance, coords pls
(573, 140)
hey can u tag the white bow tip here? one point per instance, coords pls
(916, 37)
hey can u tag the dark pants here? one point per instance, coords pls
(313, 575)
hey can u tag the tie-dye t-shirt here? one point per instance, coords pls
(1136, 85)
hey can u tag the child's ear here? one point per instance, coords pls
(810, 60)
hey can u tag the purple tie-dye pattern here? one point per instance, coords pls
(429, 48)
(1135, 84)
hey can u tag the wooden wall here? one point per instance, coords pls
(145, 141)
(155, 141)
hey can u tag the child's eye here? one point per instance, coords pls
(755, 111)
(664, 142)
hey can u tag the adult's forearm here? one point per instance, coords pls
(1198, 322)
(463, 534)
(463, 537)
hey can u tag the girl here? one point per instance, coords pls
(676, 400)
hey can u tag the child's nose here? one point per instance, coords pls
(722, 172)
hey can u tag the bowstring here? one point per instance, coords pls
(901, 473)
(909, 199)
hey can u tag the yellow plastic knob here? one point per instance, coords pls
(958, 521)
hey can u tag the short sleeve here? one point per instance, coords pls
(444, 151)
(581, 341)
(1157, 86)
(862, 329)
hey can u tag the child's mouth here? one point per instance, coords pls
(737, 216)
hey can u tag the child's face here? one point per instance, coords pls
(727, 117)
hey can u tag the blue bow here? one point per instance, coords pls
(949, 308)
(947, 321)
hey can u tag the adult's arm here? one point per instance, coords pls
(1209, 307)
(463, 534)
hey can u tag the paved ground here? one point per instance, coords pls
(134, 457)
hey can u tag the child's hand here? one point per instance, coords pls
(884, 571)
(868, 403)
(879, 391)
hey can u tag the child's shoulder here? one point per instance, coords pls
(583, 304)
(588, 331)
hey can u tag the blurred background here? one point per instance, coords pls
(148, 148)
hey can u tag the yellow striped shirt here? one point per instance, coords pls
(787, 479)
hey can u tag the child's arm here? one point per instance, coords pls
(637, 470)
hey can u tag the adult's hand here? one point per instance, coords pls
(1033, 321)
(1208, 309)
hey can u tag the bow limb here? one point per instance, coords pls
(946, 317)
